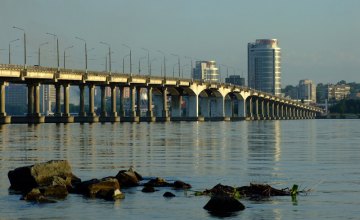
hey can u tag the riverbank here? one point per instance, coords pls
(339, 116)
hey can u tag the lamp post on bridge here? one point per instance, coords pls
(164, 62)
(101, 42)
(39, 52)
(57, 49)
(151, 65)
(86, 55)
(21, 29)
(10, 49)
(178, 61)
(148, 56)
(191, 67)
(130, 57)
(124, 62)
(65, 55)
(141, 58)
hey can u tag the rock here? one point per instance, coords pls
(148, 189)
(181, 185)
(158, 182)
(128, 178)
(223, 205)
(56, 191)
(33, 195)
(41, 174)
(107, 188)
(261, 190)
(36, 196)
(220, 189)
(169, 194)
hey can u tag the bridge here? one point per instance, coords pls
(176, 99)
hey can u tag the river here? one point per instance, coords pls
(319, 155)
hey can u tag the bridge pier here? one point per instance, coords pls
(4, 119)
(121, 102)
(150, 112)
(165, 111)
(91, 115)
(133, 117)
(82, 112)
(113, 115)
(57, 100)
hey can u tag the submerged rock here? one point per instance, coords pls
(169, 194)
(223, 205)
(181, 185)
(158, 182)
(54, 172)
(148, 189)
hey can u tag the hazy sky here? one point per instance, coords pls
(319, 38)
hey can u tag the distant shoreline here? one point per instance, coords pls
(339, 116)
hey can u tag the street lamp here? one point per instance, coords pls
(21, 29)
(40, 51)
(178, 61)
(57, 49)
(150, 65)
(148, 56)
(191, 66)
(86, 63)
(130, 57)
(101, 42)
(10, 49)
(65, 55)
(164, 62)
(124, 62)
(141, 58)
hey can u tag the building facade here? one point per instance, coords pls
(307, 91)
(264, 69)
(207, 71)
(338, 92)
(235, 80)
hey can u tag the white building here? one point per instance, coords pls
(207, 71)
(307, 91)
(264, 71)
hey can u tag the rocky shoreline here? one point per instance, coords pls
(52, 181)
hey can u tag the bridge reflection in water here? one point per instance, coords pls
(179, 99)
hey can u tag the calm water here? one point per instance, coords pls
(322, 155)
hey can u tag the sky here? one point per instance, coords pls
(319, 39)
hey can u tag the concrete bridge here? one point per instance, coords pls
(203, 100)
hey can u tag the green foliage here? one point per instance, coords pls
(294, 190)
(350, 106)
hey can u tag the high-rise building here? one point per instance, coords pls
(206, 70)
(47, 98)
(264, 72)
(307, 91)
(338, 92)
(235, 80)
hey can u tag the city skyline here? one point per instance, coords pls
(317, 38)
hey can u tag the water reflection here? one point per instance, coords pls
(264, 149)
